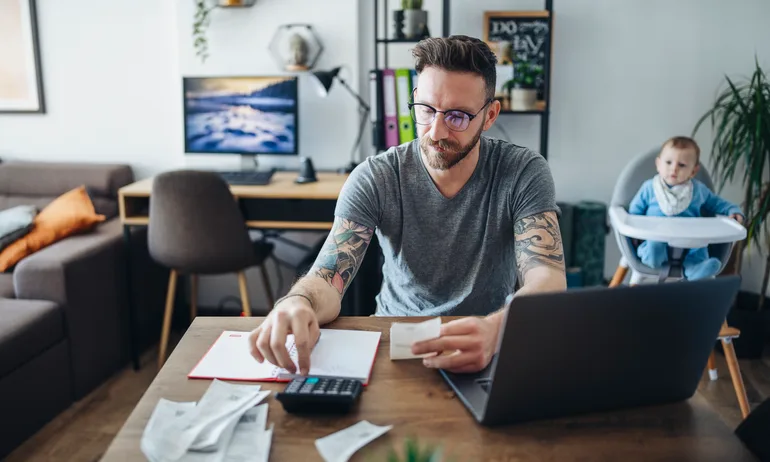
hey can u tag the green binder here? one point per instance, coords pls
(403, 94)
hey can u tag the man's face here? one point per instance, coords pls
(675, 165)
(442, 146)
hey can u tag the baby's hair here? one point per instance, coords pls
(684, 142)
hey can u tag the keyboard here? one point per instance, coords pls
(247, 177)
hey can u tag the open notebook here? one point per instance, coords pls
(338, 353)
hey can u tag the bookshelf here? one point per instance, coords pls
(382, 23)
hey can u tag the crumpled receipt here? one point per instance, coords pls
(404, 334)
(340, 446)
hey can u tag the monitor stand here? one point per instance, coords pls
(249, 162)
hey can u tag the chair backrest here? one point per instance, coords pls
(196, 225)
(640, 169)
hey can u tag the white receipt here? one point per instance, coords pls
(404, 334)
(340, 446)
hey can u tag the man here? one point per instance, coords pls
(460, 219)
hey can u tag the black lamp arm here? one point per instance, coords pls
(350, 90)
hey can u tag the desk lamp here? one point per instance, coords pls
(325, 80)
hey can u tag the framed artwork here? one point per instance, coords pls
(21, 84)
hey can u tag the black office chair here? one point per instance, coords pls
(197, 228)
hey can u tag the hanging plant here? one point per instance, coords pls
(200, 25)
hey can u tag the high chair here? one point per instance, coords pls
(718, 233)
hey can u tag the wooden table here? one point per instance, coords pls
(418, 403)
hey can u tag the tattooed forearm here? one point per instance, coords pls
(342, 254)
(538, 243)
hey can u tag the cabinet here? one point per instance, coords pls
(382, 43)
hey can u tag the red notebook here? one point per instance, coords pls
(338, 353)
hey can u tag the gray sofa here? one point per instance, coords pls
(63, 312)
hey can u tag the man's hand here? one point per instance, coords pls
(471, 341)
(268, 341)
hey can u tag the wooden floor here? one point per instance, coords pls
(85, 430)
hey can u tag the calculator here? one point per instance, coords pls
(320, 395)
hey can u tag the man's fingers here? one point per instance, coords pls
(303, 341)
(452, 362)
(253, 344)
(463, 326)
(263, 343)
(278, 345)
(451, 343)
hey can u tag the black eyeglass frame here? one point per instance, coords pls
(412, 104)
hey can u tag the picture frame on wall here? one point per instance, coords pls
(517, 36)
(21, 80)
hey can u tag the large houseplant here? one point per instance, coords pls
(740, 120)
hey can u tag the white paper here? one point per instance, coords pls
(251, 440)
(340, 446)
(162, 435)
(338, 353)
(404, 334)
(221, 404)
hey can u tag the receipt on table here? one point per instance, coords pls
(340, 446)
(404, 334)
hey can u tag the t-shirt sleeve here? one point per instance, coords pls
(359, 199)
(534, 192)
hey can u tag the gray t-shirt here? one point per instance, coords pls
(447, 256)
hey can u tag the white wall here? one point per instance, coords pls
(110, 77)
(626, 76)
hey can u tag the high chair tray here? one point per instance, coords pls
(686, 233)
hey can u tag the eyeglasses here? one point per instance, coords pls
(455, 119)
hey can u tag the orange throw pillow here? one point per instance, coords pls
(68, 214)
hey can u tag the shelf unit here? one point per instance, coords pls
(380, 42)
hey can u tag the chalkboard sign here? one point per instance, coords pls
(528, 36)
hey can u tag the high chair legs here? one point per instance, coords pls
(726, 336)
(735, 374)
(712, 366)
(620, 275)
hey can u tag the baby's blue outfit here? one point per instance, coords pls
(697, 264)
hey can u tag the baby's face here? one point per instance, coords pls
(675, 165)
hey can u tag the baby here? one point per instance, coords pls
(674, 192)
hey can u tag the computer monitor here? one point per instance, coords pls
(241, 115)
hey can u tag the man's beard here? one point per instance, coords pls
(453, 152)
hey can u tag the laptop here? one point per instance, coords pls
(598, 349)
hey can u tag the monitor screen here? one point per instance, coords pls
(240, 115)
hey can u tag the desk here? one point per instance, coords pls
(418, 403)
(280, 205)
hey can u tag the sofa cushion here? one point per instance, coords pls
(15, 223)
(69, 214)
(6, 286)
(27, 328)
(39, 183)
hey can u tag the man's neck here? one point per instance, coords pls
(449, 182)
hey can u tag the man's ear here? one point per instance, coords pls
(492, 111)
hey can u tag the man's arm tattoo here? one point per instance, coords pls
(342, 254)
(538, 243)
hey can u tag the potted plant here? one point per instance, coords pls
(740, 120)
(523, 86)
(202, 19)
(415, 19)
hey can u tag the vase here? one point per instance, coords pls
(415, 23)
(523, 99)
(398, 24)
